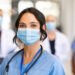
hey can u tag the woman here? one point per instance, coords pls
(32, 60)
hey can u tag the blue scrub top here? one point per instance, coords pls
(47, 64)
(73, 45)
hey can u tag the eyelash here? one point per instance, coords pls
(33, 25)
(21, 25)
(30, 25)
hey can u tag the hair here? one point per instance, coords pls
(1, 10)
(38, 15)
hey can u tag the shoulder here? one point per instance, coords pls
(4, 63)
(13, 54)
(53, 64)
(61, 35)
(50, 58)
(6, 60)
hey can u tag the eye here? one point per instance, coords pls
(33, 25)
(22, 26)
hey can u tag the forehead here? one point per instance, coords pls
(28, 17)
(51, 18)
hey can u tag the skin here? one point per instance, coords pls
(28, 20)
(51, 34)
(1, 13)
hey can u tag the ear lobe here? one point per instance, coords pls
(44, 27)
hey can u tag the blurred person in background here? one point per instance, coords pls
(6, 39)
(56, 43)
(73, 56)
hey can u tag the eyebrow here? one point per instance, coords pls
(21, 23)
(33, 22)
(30, 23)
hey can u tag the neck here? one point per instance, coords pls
(31, 50)
(51, 35)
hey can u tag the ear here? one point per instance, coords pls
(44, 27)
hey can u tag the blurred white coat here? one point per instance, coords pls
(7, 44)
(62, 46)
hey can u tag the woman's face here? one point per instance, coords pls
(28, 20)
(31, 33)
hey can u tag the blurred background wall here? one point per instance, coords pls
(63, 9)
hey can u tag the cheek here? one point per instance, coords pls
(44, 27)
(38, 27)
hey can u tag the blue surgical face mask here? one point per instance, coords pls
(0, 20)
(28, 36)
(51, 25)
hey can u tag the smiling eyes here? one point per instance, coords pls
(25, 26)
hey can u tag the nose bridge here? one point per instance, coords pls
(27, 26)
